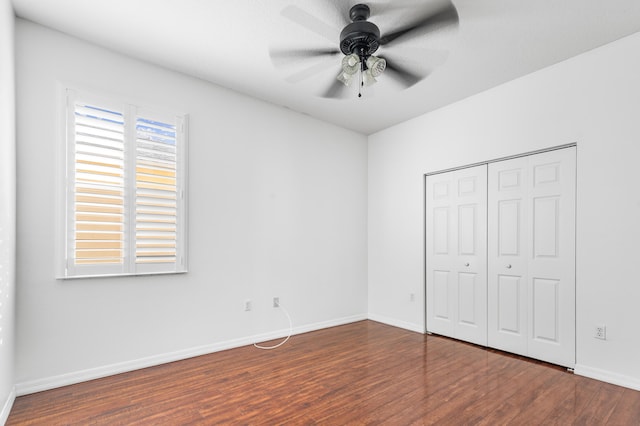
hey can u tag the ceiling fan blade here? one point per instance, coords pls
(416, 54)
(310, 22)
(420, 65)
(443, 18)
(402, 74)
(336, 90)
(342, 12)
(287, 56)
(310, 71)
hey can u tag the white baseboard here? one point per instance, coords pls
(396, 323)
(53, 382)
(607, 376)
(6, 408)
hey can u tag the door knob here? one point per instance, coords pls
(508, 266)
(466, 264)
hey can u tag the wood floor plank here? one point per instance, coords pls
(601, 406)
(627, 411)
(357, 374)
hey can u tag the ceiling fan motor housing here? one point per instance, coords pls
(360, 37)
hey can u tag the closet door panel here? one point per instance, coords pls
(442, 309)
(439, 227)
(531, 256)
(545, 310)
(509, 302)
(545, 226)
(456, 254)
(506, 259)
(551, 280)
(471, 313)
(509, 227)
(471, 259)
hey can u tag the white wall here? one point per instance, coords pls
(592, 99)
(277, 207)
(7, 208)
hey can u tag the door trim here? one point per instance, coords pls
(495, 160)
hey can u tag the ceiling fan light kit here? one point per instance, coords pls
(359, 40)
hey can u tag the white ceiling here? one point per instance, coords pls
(227, 42)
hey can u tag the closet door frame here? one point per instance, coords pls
(487, 162)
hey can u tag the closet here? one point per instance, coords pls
(500, 255)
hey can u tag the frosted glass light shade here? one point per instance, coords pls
(345, 78)
(368, 79)
(376, 65)
(351, 64)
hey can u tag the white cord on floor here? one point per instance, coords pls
(285, 340)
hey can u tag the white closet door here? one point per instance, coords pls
(552, 282)
(508, 255)
(456, 208)
(531, 257)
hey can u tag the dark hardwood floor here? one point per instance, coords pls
(361, 373)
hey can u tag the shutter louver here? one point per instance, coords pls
(156, 192)
(98, 203)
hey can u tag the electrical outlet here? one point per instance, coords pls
(276, 302)
(412, 297)
(600, 332)
(248, 305)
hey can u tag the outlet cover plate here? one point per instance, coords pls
(600, 332)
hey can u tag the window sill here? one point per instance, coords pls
(143, 274)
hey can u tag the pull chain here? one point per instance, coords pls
(361, 83)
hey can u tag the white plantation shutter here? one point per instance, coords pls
(156, 191)
(98, 201)
(125, 190)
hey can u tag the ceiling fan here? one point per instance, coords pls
(359, 42)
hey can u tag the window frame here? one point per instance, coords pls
(131, 111)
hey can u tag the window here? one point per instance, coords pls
(125, 189)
